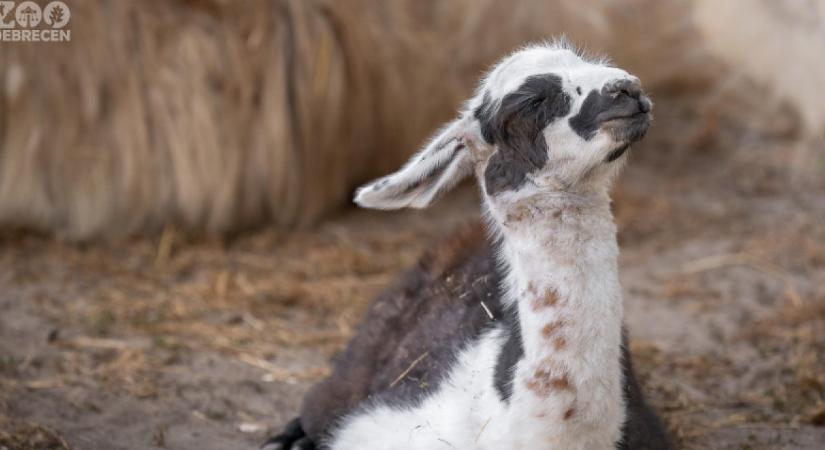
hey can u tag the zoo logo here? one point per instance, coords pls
(19, 22)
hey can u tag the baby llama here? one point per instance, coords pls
(510, 339)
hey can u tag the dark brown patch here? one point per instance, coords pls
(548, 300)
(519, 214)
(543, 383)
(561, 384)
(569, 413)
(551, 328)
(539, 388)
(560, 343)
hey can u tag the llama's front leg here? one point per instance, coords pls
(292, 438)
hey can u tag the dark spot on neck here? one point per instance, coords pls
(517, 126)
(616, 154)
(579, 90)
(510, 354)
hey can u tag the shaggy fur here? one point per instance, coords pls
(451, 281)
(214, 116)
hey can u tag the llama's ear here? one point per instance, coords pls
(431, 172)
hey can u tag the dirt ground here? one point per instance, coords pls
(194, 343)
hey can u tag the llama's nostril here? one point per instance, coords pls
(630, 88)
(631, 94)
(645, 105)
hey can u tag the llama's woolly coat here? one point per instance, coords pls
(445, 290)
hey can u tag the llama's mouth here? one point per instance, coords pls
(622, 114)
(626, 107)
(628, 128)
(625, 116)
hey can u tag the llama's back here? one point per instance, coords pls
(412, 333)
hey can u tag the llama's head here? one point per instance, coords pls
(544, 119)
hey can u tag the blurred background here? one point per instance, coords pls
(179, 256)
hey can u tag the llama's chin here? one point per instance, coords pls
(629, 129)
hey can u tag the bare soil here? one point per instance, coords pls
(194, 343)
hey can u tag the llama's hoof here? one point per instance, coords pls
(292, 438)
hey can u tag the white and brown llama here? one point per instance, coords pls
(514, 342)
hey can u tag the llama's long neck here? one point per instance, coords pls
(562, 254)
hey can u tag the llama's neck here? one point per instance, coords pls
(562, 254)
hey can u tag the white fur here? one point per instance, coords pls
(435, 154)
(573, 255)
(451, 419)
(560, 253)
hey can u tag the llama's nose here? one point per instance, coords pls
(645, 105)
(630, 87)
(627, 86)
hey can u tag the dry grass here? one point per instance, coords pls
(32, 437)
(128, 322)
(211, 299)
(780, 386)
